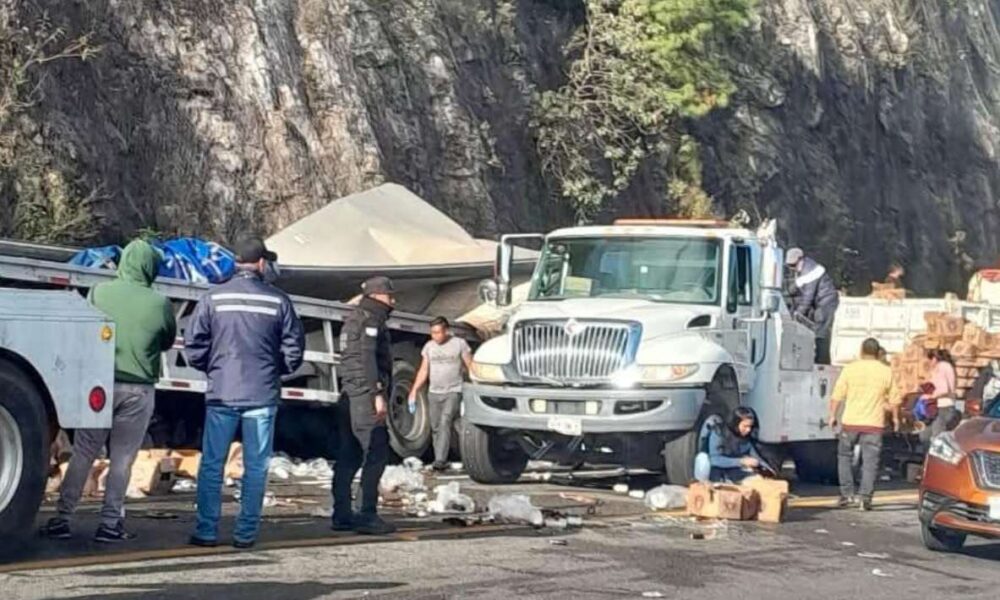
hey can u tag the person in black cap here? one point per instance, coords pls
(245, 335)
(366, 373)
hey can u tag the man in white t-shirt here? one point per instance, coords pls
(444, 358)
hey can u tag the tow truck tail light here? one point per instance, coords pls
(97, 399)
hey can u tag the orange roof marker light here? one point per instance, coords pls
(675, 222)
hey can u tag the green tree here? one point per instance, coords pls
(639, 68)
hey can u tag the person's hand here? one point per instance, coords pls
(749, 462)
(411, 403)
(896, 424)
(833, 421)
(381, 409)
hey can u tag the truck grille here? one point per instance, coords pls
(574, 351)
(987, 468)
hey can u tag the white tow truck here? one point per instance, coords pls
(57, 366)
(630, 337)
(57, 371)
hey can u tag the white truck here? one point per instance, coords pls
(56, 370)
(630, 337)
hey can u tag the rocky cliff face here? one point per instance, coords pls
(869, 127)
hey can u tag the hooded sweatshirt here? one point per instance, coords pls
(144, 322)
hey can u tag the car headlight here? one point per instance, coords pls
(665, 373)
(486, 373)
(944, 447)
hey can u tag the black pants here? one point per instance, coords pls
(871, 456)
(363, 444)
(822, 351)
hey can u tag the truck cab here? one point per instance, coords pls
(630, 337)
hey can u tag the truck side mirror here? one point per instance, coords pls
(770, 302)
(505, 260)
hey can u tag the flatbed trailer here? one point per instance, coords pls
(316, 383)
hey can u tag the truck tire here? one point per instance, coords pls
(721, 396)
(24, 453)
(409, 435)
(490, 457)
(816, 462)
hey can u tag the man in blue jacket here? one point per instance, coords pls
(245, 335)
(814, 297)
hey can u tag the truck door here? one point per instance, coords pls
(740, 336)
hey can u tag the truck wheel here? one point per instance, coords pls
(409, 435)
(24, 454)
(491, 457)
(816, 462)
(721, 397)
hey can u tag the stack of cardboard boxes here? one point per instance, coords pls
(970, 346)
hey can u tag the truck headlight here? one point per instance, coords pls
(944, 447)
(665, 373)
(486, 373)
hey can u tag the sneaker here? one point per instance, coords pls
(865, 505)
(243, 545)
(846, 501)
(197, 541)
(374, 525)
(57, 529)
(113, 535)
(343, 523)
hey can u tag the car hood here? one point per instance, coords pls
(980, 433)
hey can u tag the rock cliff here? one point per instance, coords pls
(869, 127)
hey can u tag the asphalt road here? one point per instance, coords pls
(622, 551)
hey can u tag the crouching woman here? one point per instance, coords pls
(728, 453)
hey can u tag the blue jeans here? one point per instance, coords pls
(258, 436)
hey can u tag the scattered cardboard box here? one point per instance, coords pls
(234, 464)
(154, 472)
(773, 495)
(721, 501)
(188, 464)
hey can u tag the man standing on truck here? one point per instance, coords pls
(444, 356)
(815, 298)
(144, 327)
(362, 434)
(245, 335)
(864, 388)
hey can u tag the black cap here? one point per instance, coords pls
(251, 250)
(378, 285)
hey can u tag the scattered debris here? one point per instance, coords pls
(159, 515)
(574, 521)
(821, 531)
(182, 486)
(653, 595)
(515, 508)
(665, 497)
(321, 512)
(637, 494)
(697, 536)
(555, 523)
(880, 573)
(450, 499)
(885, 478)
(620, 488)
(538, 476)
(558, 542)
(401, 479)
(413, 463)
(848, 544)
(283, 468)
(270, 500)
(455, 466)
(873, 555)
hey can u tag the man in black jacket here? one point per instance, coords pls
(815, 298)
(366, 373)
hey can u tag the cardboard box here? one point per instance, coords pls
(976, 336)
(773, 498)
(234, 464)
(154, 472)
(951, 326)
(720, 501)
(189, 462)
(963, 349)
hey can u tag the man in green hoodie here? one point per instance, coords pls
(144, 327)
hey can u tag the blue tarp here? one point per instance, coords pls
(189, 259)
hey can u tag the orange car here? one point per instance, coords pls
(960, 491)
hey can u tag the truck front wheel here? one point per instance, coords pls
(24, 452)
(721, 397)
(816, 462)
(490, 456)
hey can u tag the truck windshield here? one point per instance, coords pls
(676, 270)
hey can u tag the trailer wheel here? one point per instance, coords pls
(409, 435)
(490, 456)
(24, 454)
(816, 462)
(721, 397)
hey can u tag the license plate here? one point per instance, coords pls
(995, 508)
(566, 425)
